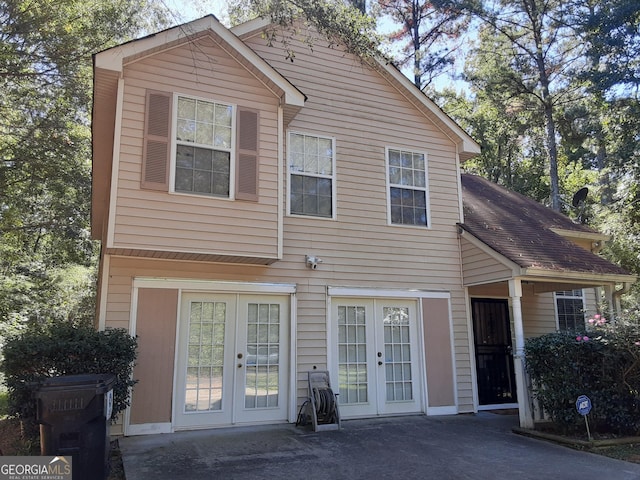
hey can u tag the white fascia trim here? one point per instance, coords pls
(563, 232)
(113, 59)
(104, 289)
(472, 352)
(115, 165)
(293, 359)
(467, 144)
(147, 429)
(210, 285)
(564, 277)
(386, 293)
(252, 26)
(281, 207)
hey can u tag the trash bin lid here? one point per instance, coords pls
(100, 382)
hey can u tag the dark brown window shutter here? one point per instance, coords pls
(247, 165)
(157, 141)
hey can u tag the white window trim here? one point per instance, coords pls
(174, 145)
(571, 297)
(426, 187)
(334, 202)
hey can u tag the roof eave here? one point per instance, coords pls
(466, 145)
(114, 58)
(596, 278)
(532, 273)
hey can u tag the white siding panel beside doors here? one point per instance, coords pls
(376, 356)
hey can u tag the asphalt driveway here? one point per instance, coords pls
(474, 447)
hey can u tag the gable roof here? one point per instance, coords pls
(466, 145)
(114, 58)
(524, 232)
(108, 66)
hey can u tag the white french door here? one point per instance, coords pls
(233, 360)
(376, 357)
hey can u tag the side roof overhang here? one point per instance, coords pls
(532, 242)
(108, 67)
(466, 146)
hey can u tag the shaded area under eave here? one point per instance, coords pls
(519, 229)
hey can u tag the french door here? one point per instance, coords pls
(233, 360)
(376, 356)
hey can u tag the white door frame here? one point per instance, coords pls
(377, 293)
(195, 285)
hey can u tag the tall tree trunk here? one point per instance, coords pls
(531, 7)
(360, 5)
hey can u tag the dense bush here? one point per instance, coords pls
(602, 363)
(65, 348)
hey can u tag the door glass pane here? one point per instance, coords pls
(203, 390)
(352, 353)
(399, 384)
(262, 376)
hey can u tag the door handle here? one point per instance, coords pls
(379, 356)
(239, 365)
(379, 362)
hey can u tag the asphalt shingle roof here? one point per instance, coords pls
(518, 228)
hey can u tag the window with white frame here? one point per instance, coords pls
(203, 147)
(311, 175)
(570, 310)
(407, 180)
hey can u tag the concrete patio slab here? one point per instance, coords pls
(474, 447)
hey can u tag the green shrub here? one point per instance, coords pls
(602, 363)
(64, 348)
(4, 404)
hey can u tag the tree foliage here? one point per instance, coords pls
(429, 36)
(541, 50)
(66, 348)
(45, 144)
(343, 23)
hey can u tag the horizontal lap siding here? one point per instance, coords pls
(191, 223)
(365, 114)
(538, 312)
(479, 266)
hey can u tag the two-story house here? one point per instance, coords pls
(261, 218)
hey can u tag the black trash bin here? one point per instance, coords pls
(73, 413)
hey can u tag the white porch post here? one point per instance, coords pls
(524, 405)
(613, 306)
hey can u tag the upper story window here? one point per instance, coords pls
(570, 310)
(200, 146)
(407, 183)
(203, 147)
(311, 175)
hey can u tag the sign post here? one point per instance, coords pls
(583, 405)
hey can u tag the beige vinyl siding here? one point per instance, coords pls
(192, 223)
(538, 311)
(591, 302)
(478, 266)
(365, 114)
(311, 305)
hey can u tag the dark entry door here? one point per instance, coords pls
(494, 360)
